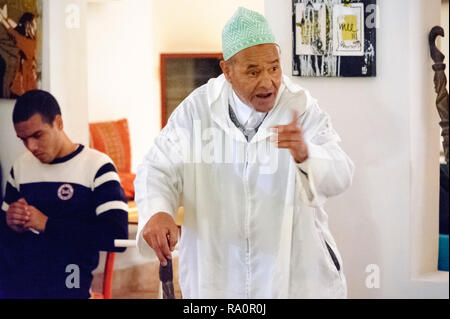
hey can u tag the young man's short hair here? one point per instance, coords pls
(36, 102)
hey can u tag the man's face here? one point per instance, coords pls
(40, 138)
(255, 75)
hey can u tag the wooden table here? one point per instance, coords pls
(132, 212)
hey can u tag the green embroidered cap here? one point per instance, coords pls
(245, 29)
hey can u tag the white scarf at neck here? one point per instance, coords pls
(246, 115)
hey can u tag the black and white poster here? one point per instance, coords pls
(334, 38)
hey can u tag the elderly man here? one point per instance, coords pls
(254, 224)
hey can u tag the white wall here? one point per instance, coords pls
(125, 40)
(120, 72)
(63, 74)
(67, 64)
(389, 127)
(10, 145)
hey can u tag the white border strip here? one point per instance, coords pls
(107, 177)
(5, 206)
(116, 204)
(125, 243)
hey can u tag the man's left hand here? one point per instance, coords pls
(38, 220)
(290, 136)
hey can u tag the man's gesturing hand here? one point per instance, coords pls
(161, 233)
(290, 136)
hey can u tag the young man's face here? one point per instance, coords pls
(42, 139)
(255, 75)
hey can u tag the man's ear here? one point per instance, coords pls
(226, 69)
(58, 122)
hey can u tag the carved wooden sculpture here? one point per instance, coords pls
(440, 82)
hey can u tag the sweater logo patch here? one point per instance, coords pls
(65, 192)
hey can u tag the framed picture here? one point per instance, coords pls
(20, 46)
(181, 73)
(334, 38)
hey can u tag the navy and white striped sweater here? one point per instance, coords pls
(86, 209)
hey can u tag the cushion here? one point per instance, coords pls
(127, 182)
(113, 139)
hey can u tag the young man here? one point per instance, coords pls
(254, 223)
(63, 204)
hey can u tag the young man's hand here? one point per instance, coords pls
(161, 233)
(21, 217)
(18, 215)
(37, 219)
